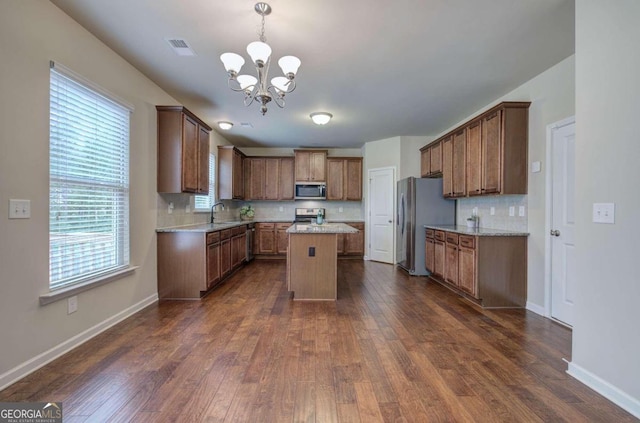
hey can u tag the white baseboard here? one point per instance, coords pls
(538, 309)
(40, 360)
(604, 388)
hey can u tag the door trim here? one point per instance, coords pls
(551, 129)
(368, 226)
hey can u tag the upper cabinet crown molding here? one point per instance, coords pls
(183, 151)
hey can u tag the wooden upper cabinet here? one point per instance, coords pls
(268, 178)
(447, 167)
(436, 158)
(474, 158)
(425, 162)
(458, 170)
(230, 173)
(286, 180)
(310, 165)
(344, 178)
(336, 179)
(183, 151)
(491, 153)
(485, 156)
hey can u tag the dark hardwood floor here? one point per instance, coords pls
(392, 348)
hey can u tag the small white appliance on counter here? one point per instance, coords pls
(420, 202)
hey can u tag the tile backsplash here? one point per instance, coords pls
(501, 218)
(182, 213)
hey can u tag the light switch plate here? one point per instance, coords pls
(72, 304)
(492, 211)
(19, 209)
(340, 209)
(512, 211)
(604, 213)
(281, 208)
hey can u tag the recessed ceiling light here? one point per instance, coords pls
(321, 118)
(225, 125)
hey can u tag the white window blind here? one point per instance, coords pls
(204, 202)
(88, 181)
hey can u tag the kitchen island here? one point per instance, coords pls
(312, 260)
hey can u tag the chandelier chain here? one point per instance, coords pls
(262, 35)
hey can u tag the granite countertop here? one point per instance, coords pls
(478, 231)
(325, 228)
(203, 227)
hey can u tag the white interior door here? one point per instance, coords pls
(563, 275)
(381, 214)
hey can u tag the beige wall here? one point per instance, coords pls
(32, 34)
(606, 344)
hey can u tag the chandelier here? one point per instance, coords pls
(257, 89)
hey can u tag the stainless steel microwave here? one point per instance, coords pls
(311, 191)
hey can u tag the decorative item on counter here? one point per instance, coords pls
(247, 212)
(473, 222)
(320, 217)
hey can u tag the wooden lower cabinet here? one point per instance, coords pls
(352, 245)
(492, 270)
(192, 263)
(282, 238)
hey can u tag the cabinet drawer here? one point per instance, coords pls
(467, 241)
(452, 238)
(429, 233)
(213, 237)
(226, 234)
(439, 235)
(283, 226)
(266, 225)
(239, 230)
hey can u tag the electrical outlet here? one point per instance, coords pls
(340, 209)
(72, 304)
(281, 208)
(474, 211)
(187, 208)
(521, 211)
(170, 208)
(512, 211)
(492, 211)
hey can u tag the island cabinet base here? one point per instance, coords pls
(312, 268)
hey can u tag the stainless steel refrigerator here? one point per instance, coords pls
(420, 203)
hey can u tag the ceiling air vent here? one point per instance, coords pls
(246, 125)
(180, 47)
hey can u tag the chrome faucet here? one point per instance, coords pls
(212, 207)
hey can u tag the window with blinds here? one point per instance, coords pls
(204, 202)
(88, 181)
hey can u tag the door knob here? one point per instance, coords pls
(391, 221)
(555, 232)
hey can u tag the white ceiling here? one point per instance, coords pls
(382, 68)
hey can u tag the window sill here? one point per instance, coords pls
(61, 294)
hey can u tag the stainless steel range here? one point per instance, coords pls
(308, 215)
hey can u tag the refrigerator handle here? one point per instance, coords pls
(402, 213)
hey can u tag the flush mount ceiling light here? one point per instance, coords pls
(225, 125)
(321, 118)
(257, 89)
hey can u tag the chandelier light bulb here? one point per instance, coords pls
(259, 52)
(246, 81)
(232, 62)
(321, 118)
(224, 125)
(280, 82)
(289, 65)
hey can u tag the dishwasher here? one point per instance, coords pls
(251, 231)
